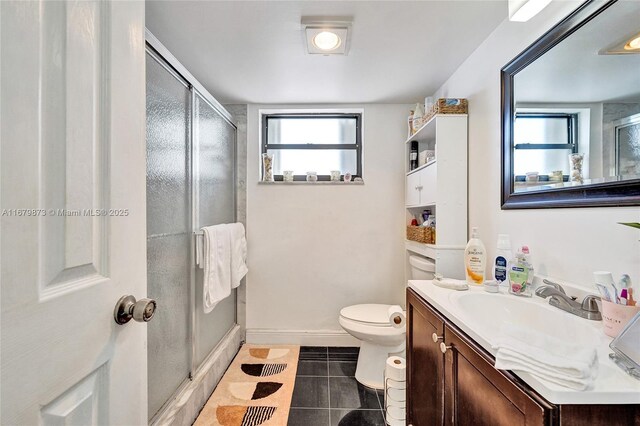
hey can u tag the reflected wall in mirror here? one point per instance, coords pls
(571, 112)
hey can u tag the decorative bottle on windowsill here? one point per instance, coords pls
(267, 167)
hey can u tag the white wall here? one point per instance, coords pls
(567, 244)
(315, 249)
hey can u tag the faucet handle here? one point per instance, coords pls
(556, 285)
(589, 303)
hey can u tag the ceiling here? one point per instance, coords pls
(574, 72)
(254, 52)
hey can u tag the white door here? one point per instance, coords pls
(73, 212)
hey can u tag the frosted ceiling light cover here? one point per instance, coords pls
(326, 40)
(633, 44)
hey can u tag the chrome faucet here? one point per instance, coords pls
(588, 308)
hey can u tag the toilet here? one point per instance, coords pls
(370, 324)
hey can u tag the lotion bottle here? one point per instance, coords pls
(475, 257)
(503, 257)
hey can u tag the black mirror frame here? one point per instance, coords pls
(619, 193)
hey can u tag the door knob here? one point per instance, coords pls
(435, 338)
(443, 347)
(128, 308)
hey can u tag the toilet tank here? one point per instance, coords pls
(422, 268)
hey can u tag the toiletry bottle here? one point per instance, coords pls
(475, 257)
(413, 156)
(527, 258)
(520, 274)
(503, 256)
(425, 215)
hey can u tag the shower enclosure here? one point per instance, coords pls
(191, 159)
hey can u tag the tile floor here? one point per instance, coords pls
(326, 392)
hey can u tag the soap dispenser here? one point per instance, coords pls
(520, 274)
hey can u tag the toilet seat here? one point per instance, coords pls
(370, 314)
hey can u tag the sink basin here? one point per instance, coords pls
(490, 311)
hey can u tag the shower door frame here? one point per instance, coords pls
(164, 57)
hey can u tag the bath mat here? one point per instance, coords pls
(255, 390)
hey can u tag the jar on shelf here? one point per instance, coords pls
(267, 167)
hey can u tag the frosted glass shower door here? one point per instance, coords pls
(214, 154)
(168, 230)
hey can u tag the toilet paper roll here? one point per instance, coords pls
(396, 384)
(395, 396)
(394, 422)
(395, 412)
(396, 369)
(396, 316)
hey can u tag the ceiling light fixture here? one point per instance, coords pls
(523, 10)
(633, 44)
(326, 36)
(630, 45)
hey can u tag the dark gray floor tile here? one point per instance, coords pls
(342, 368)
(357, 418)
(312, 368)
(346, 392)
(313, 352)
(308, 417)
(311, 392)
(343, 353)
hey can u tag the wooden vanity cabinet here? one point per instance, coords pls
(425, 364)
(478, 394)
(461, 386)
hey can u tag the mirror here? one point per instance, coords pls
(571, 113)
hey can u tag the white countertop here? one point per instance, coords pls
(612, 385)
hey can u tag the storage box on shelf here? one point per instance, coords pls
(421, 234)
(441, 106)
(441, 186)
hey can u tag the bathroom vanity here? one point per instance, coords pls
(451, 378)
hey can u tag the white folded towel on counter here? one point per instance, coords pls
(566, 364)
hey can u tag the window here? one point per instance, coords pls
(542, 141)
(313, 142)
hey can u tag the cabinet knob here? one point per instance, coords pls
(435, 337)
(443, 347)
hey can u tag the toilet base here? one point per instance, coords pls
(371, 363)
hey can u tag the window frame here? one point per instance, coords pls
(572, 130)
(357, 147)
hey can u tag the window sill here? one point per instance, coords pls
(318, 183)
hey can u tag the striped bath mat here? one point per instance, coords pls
(255, 390)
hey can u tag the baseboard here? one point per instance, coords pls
(301, 337)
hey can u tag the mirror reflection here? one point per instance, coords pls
(577, 107)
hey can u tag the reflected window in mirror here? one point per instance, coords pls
(542, 142)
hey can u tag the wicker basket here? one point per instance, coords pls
(447, 106)
(421, 234)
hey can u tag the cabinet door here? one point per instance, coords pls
(425, 364)
(413, 189)
(428, 185)
(478, 394)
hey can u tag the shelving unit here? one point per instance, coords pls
(440, 186)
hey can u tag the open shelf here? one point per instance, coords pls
(428, 130)
(424, 166)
